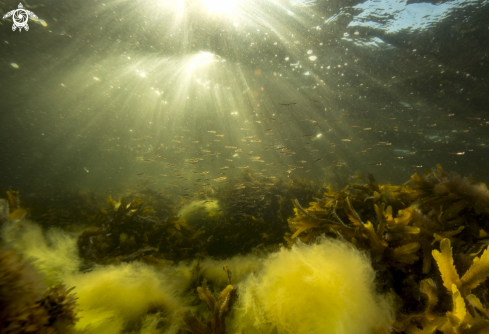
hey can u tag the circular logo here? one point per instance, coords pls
(20, 17)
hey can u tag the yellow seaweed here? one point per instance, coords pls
(219, 310)
(457, 316)
(405, 253)
(428, 287)
(445, 264)
(206, 295)
(301, 223)
(477, 273)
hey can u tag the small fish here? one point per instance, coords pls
(288, 104)
(376, 164)
(211, 131)
(140, 174)
(222, 178)
(457, 153)
(318, 159)
(255, 140)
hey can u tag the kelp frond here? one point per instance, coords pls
(472, 299)
(459, 312)
(428, 287)
(406, 252)
(16, 212)
(445, 264)
(477, 273)
(219, 310)
(377, 245)
(206, 295)
(462, 318)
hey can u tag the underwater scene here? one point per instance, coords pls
(244, 166)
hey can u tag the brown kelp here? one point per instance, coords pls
(426, 240)
(465, 312)
(401, 227)
(219, 309)
(129, 230)
(25, 308)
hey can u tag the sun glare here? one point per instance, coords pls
(225, 6)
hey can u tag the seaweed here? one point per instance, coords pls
(24, 306)
(254, 212)
(130, 230)
(400, 227)
(61, 306)
(466, 314)
(426, 239)
(219, 309)
(16, 212)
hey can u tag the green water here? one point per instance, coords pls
(106, 96)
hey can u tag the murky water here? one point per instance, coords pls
(108, 94)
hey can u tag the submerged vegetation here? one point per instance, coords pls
(27, 305)
(425, 269)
